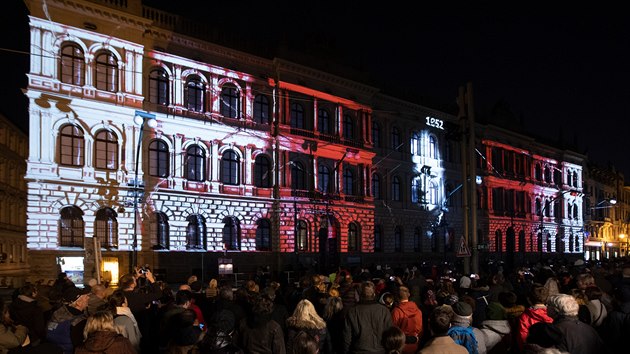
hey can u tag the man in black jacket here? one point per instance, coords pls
(25, 311)
(365, 323)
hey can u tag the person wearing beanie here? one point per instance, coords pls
(494, 334)
(461, 330)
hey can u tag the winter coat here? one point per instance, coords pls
(128, 326)
(260, 334)
(578, 337)
(56, 328)
(598, 312)
(11, 337)
(105, 342)
(320, 335)
(364, 327)
(443, 345)
(616, 327)
(408, 317)
(27, 312)
(530, 316)
(494, 336)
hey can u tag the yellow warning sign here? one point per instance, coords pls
(463, 250)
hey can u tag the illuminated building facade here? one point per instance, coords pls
(606, 213)
(255, 162)
(530, 199)
(14, 265)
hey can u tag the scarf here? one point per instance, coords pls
(126, 312)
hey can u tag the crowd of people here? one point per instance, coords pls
(577, 308)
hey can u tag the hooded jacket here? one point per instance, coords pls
(407, 316)
(530, 316)
(106, 342)
(493, 336)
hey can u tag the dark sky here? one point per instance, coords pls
(563, 71)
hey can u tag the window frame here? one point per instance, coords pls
(108, 146)
(106, 73)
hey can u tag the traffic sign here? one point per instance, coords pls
(463, 250)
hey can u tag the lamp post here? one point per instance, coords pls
(141, 119)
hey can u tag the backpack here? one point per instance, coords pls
(59, 334)
(465, 337)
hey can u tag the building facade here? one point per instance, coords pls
(14, 263)
(147, 146)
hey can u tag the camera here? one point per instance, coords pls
(201, 326)
(392, 278)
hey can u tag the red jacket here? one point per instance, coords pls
(530, 316)
(408, 317)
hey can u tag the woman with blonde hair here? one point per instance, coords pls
(101, 336)
(306, 320)
(212, 291)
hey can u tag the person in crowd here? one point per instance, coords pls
(536, 312)
(304, 344)
(185, 333)
(101, 336)
(348, 290)
(306, 319)
(226, 302)
(393, 340)
(480, 291)
(139, 299)
(365, 323)
(334, 315)
(495, 331)
(65, 328)
(584, 314)
(96, 300)
(416, 282)
(62, 283)
(508, 299)
(596, 307)
(11, 335)
(439, 325)
(461, 327)
(26, 311)
(616, 327)
(257, 332)
(170, 321)
(387, 299)
(212, 291)
(280, 312)
(543, 337)
(316, 293)
(577, 337)
(407, 316)
(124, 319)
(193, 303)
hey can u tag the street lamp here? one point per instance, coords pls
(140, 119)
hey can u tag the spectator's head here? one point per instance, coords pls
(593, 293)
(118, 299)
(440, 320)
(305, 343)
(213, 283)
(334, 304)
(507, 299)
(29, 290)
(183, 297)
(367, 291)
(544, 334)
(465, 282)
(305, 316)
(226, 293)
(562, 305)
(584, 280)
(463, 314)
(495, 311)
(98, 322)
(99, 290)
(538, 294)
(393, 340)
(127, 282)
(196, 286)
(76, 297)
(262, 306)
(403, 293)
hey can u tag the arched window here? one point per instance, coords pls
(106, 227)
(298, 176)
(106, 150)
(297, 116)
(416, 191)
(229, 167)
(230, 98)
(398, 239)
(417, 239)
(323, 179)
(348, 181)
(195, 157)
(106, 72)
(324, 124)
(433, 147)
(71, 146)
(262, 111)
(348, 127)
(72, 65)
(376, 134)
(378, 239)
(262, 172)
(159, 87)
(414, 144)
(71, 227)
(376, 186)
(353, 237)
(231, 234)
(396, 143)
(263, 235)
(195, 92)
(396, 188)
(301, 239)
(158, 159)
(196, 232)
(160, 239)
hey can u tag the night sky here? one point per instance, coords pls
(562, 72)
